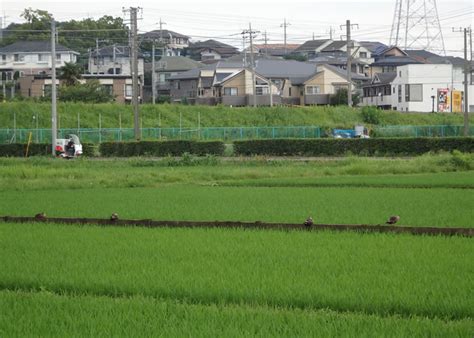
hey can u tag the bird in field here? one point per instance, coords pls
(393, 220)
(40, 217)
(114, 217)
(309, 222)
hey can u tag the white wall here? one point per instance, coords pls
(31, 63)
(432, 77)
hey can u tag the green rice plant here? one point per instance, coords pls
(340, 205)
(379, 274)
(49, 314)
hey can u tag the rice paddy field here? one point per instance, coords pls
(64, 280)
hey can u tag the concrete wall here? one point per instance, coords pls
(316, 99)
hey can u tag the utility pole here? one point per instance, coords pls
(266, 43)
(349, 61)
(470, 55)
(134, 64)
(284, 25)
(153, 73)
(114, 58)
(97, 55)
(251, 34)
(466, 82)
(161, 38)
(54, 127)
(243, 51)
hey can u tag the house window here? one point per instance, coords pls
(414, 93)
(399, 93)
(4, 58)
(363, 54)
(312, 90)
(128, 90)
(177, 85)
(400, 73)
(109, 89)
(58, 57)
(230, 91)
(18, 58)
(47, 90)
(261, 91)
(289, 91)
(394, 89)
(42, 57)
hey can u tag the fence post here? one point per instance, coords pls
(100, 127)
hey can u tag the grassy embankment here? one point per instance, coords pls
(57, 280)
(169, 116)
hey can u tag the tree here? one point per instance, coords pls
(70, 73)
(91, 91)
(340, 98)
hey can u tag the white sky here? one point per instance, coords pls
(224, 20)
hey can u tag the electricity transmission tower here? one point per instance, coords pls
(416, 26)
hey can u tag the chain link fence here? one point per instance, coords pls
(422, 131)
(127, 134)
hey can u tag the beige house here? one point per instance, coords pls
(289, 82)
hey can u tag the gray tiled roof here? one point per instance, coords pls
(335, 46)
(395, 61)
(33, 47)
(190, 74)
(222, 76)
(285, 68)
(177, 63)
(386, 78)
(374, 47)
(210, 44)
(310, 45)
(343, 73)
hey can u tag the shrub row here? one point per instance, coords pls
(161, 148)
(335, 147)
(38, 149)
(274, 147)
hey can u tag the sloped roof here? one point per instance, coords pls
(222, 76)
(311, 45)
(190, 74)
(395, 61)
(210, 44)
(34, 47)
(177, 63)
(420, 53)
(385, 78)
(285, 68)
(156, 34)
(343, 73)
(374, 47)
(334, 46)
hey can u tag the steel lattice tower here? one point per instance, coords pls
(416, 26)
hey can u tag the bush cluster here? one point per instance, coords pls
(366, 147)
(38, 149)
(161, 148)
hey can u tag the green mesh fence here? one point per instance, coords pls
(422, 131)
(127, 134)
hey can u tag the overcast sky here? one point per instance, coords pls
(225, 20)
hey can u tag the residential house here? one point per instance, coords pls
(168, 66)
(120, 86)
(32, 57)
(113, 60)
(173, 43)
(288, 81)
(418, 88)
(389, 59)
(211, 50)
(379, 92)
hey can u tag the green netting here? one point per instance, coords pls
(127, 134)
(421, 131)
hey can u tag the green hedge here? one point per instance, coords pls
(335, 147)
(38, 149)
(161, 148)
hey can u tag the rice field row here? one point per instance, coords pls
(345, 205)
(374, 274)
(48, 314)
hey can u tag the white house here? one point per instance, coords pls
(113, 60)
(425, 87)
(32, 57)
